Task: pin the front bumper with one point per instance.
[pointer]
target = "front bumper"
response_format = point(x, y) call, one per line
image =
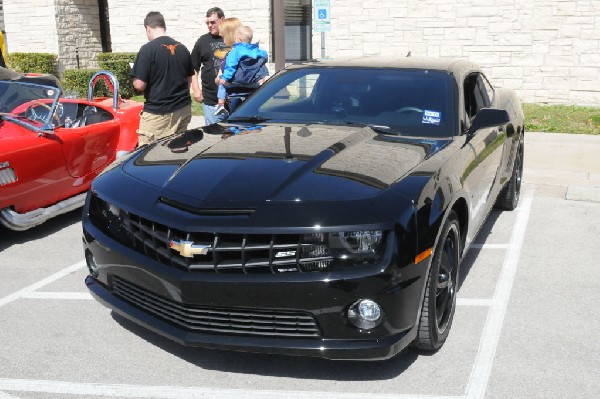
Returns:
point(344, 349)
point(325, 297)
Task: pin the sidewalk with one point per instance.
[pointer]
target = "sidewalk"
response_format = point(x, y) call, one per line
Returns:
point(568, 161)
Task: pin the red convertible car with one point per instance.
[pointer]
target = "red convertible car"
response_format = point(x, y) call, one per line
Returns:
point(51, 147)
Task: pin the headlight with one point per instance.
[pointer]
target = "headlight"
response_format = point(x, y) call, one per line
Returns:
point(347, 247)
point(107, 217)
point(357, 242)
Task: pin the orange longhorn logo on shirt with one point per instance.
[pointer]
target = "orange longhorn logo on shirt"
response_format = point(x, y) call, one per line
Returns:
point(171, 47)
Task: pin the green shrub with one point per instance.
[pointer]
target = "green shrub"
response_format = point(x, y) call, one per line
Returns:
point(33, 63)
point(75, 83)
point(118, 64)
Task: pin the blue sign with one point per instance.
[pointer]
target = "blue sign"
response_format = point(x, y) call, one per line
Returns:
point(321, 15)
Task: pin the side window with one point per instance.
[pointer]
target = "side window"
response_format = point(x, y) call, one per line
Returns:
point(489, 89)
point(470, 93)
point(477, 95)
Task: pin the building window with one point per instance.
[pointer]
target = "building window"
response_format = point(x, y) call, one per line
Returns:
point(298, 39)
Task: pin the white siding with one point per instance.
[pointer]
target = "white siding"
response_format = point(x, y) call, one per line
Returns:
point(185, 20)
point(30, 26)
point(548, 50)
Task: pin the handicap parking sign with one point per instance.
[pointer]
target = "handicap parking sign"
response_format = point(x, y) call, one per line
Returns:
point(321, 15)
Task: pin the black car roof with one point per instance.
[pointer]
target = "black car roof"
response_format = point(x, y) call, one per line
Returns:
point(457, 66)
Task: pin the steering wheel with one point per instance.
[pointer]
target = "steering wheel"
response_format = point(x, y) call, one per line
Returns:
point(409, 109)
point(32, 114)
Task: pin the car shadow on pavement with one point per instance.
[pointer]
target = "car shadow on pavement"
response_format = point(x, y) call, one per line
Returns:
point(277, 365)
point(9, 237)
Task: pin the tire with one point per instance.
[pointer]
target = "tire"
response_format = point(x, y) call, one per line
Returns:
point(508, 199)
point(439, 300)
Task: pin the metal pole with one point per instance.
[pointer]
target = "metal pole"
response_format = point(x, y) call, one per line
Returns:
point(278, 33)
point(322, 45)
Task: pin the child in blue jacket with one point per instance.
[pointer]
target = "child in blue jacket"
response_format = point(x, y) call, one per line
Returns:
point(243, 72)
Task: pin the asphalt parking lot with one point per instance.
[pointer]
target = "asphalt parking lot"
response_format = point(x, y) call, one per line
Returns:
point(526, 325)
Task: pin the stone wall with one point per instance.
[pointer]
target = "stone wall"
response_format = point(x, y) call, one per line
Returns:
point(185, 20)
point(1, 16)
point(78, 27)
point(68, 28)
point(548, 50)
point(30, 26)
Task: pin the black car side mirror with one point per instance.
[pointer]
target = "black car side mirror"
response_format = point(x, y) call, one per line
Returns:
point(488, 117)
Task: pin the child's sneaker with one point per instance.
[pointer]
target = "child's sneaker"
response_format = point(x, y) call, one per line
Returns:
point(220, 109)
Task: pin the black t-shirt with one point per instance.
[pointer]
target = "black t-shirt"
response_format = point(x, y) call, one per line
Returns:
point(207, 54)
point(165, 65)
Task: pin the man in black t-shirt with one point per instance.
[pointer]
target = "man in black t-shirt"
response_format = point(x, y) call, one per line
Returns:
point(163, 71)
point(206, 58)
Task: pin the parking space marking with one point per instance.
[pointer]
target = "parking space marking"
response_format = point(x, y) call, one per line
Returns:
point(174, 392)
point(87, 296)
point(57, 295)
point(476, 386)
point(7, 396)
point(35, 286)
point(482, 367)
point(489, 246)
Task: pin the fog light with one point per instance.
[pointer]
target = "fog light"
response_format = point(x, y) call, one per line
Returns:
point(91, 263)
point(365, 314)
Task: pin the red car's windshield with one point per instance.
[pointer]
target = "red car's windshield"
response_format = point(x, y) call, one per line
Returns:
point(31, 102)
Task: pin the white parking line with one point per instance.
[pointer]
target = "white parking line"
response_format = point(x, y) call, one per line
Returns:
point(475, 389)
point(7, 396)
point(493, 326)
point(57, 295)
point(35, 286)
point(174, 392)
point(489, 246)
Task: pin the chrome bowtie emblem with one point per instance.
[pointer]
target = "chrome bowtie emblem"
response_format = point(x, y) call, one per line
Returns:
point(188, 249)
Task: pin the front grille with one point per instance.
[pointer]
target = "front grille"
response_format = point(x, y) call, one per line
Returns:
point(7, 175)
point(224, 252)
point(238, 321)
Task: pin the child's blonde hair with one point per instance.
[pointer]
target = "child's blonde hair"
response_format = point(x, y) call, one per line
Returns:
point(227, 30)
point(244, 34)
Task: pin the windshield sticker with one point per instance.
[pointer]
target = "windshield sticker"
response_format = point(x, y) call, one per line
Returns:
point(431, 117)
point(50, 93)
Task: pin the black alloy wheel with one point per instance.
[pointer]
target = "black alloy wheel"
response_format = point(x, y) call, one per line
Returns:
point(508, 198)
point(439, 301)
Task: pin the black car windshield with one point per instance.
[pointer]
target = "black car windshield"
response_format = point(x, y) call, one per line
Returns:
point(410, 102)
point(34, 104)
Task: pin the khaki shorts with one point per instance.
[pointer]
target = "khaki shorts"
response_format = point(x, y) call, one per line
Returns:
point(154, 127)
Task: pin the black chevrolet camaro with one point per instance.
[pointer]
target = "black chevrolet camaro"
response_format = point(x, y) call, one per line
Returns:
point(328, 218)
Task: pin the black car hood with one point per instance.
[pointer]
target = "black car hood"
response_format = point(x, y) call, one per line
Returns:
point(280, 163)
